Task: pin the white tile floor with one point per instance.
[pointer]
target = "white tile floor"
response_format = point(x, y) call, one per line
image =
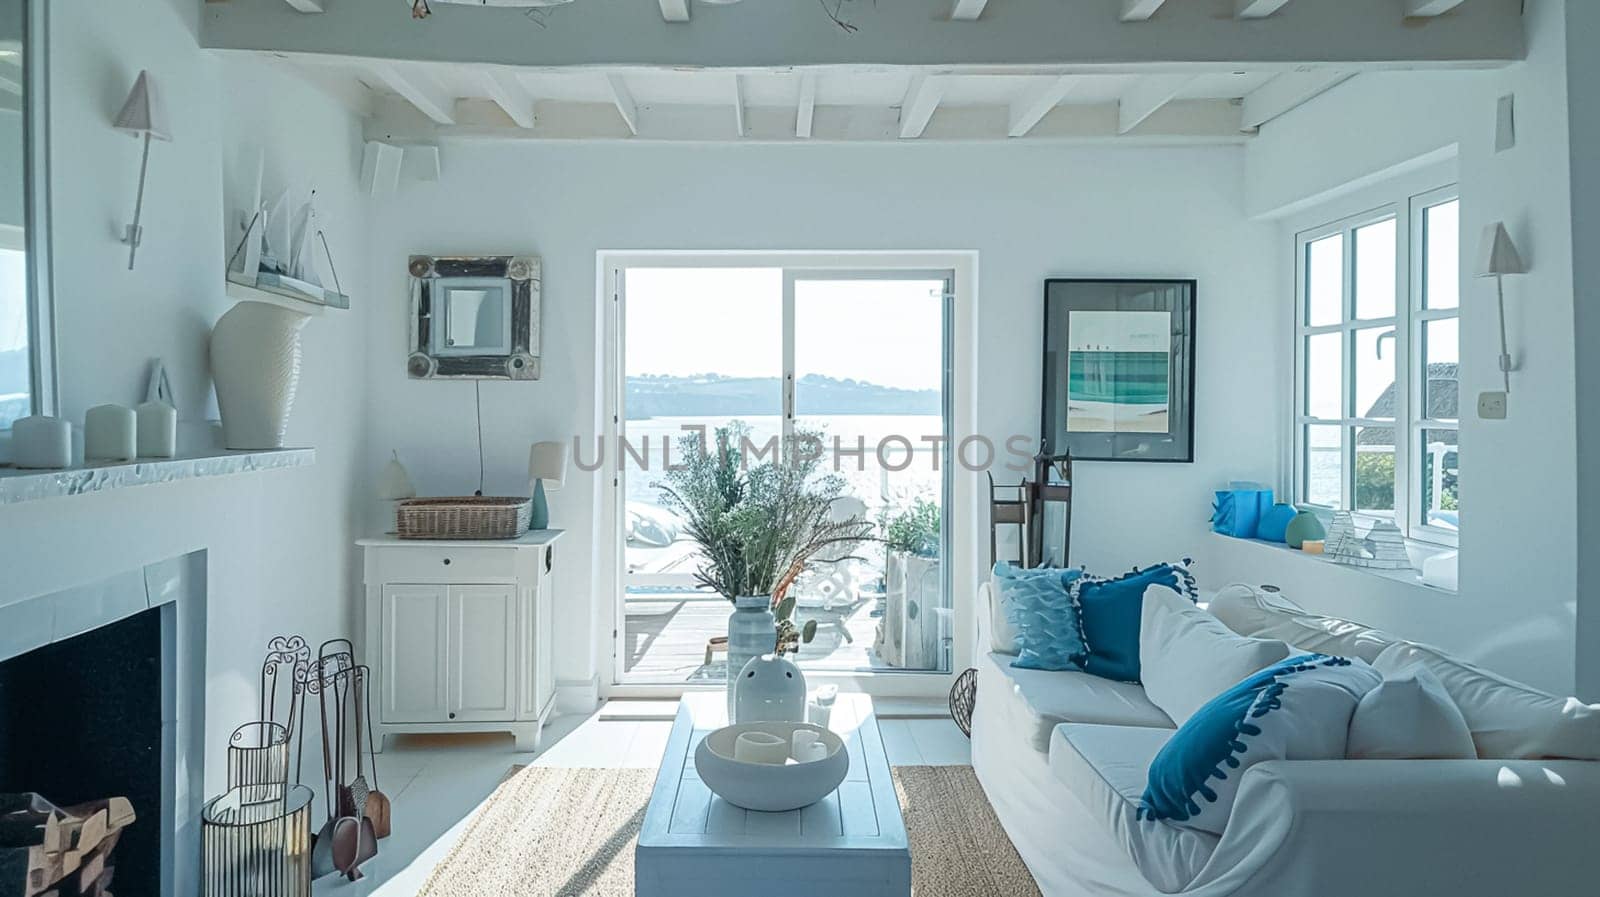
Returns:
point(435, 783)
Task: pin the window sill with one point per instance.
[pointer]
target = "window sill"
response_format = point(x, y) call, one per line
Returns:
point(1408, 577)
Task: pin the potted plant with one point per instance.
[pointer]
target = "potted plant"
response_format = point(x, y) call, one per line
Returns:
point(908, 633)
point(758, 526)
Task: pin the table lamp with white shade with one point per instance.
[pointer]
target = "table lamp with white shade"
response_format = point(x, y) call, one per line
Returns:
point(547, 468)
point(1497, 257)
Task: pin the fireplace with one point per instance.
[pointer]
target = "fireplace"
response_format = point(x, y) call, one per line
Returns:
point(80, 721)
point(101, 697)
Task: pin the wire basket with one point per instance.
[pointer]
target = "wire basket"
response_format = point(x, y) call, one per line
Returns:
point(467, 517)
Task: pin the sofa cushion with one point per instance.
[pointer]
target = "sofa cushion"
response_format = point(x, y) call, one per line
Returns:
point(1105, 767)
point(1298, 709)
point(1261, 614)
point(1187, 657)
point(1044, 615)
point(1110, 610)
point(1040, 700)
point(1409, 716)
point(1508, 720)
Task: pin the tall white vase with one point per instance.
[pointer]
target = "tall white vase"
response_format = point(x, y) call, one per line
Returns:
point(751, 633)
point(255, 361)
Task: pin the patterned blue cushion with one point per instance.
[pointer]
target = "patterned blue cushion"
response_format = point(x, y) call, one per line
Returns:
point(1110, 609)
point(1296, 709)
point(1039, 605)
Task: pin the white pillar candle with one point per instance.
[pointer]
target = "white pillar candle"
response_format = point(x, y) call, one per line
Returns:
point(41, 442)
point(158, 430)
point(109, 434)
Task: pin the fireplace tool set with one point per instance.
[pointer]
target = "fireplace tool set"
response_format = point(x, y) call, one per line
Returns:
point(257, 836)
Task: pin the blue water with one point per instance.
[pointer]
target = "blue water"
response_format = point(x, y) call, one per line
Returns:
point(1123, 378)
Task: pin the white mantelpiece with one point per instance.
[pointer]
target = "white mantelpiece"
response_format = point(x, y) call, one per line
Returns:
point(33, 485)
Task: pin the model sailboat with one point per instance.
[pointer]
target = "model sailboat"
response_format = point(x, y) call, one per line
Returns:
point(283, 249)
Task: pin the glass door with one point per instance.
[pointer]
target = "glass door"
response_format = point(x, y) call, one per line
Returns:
point(868, 380)
point(853, 365)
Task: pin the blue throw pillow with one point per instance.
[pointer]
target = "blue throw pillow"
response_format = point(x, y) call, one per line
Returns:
point(1296, 709)
point(1109, 610)
point(1040, 606)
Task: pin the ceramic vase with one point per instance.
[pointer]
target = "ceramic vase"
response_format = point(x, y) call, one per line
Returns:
point(769, 689)
point(751, 633)
point(255, 361)
point(1304, 527)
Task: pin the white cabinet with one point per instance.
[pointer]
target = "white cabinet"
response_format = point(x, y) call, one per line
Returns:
point(458, 635)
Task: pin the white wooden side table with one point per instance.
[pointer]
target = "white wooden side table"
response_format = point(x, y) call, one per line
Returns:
point(852, 843)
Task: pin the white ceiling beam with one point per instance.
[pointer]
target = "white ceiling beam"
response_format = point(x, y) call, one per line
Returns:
point(968, 10)
point(922, 98)
point(1426, 9)
point(738, 106)
point(1027, 110)
point(418, 88)
point(1139, 10)
point(507, 93)
point(1257, 9)
point(622, 98)
point(806, 108)
point(675, 10)
point(1285, 92)
point(1147, 95)
point(1352, 34)
point(306, 5)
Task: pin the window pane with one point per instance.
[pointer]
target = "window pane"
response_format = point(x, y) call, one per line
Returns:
point(15, 370)
point(1324, 375)
point(1441, 479)
point(1324, 448)
point(1374, 473)
point(1374, 381)
point(1441, 347)
point(1375, 272)
point(1325, 281)
point(1441, 255)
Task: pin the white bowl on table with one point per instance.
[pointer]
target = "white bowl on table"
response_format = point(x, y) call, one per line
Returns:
point(770, 787)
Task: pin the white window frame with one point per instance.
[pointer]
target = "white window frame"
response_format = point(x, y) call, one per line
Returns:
point(1405, 205)
point(963, 512)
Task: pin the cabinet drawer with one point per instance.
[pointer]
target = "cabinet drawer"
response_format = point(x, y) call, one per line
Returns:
point(442, 564)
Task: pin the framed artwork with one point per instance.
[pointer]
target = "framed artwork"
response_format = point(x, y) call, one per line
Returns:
point(1119, 369)
point(474, 317)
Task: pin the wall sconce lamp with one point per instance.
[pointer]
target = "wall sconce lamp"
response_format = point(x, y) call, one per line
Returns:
point(1497, 257)
point(138, 118)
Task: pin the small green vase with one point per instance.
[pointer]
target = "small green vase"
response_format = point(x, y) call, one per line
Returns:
point(1303, 528)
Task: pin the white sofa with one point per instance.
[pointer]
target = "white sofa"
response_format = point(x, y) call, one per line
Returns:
point(1063, 757)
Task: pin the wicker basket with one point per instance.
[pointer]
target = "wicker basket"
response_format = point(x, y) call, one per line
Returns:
point(467, 517)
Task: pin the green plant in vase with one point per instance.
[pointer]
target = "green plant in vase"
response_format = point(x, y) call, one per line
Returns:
point(759, 525)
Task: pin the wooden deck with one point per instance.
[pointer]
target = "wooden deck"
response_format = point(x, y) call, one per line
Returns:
point(666, 640)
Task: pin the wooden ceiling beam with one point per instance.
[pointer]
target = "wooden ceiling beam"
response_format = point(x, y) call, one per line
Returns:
point(508, 93)
point(1146, 97)
point(1027, 110)
point(922, 99)
point(1139, 10)
point(806, 107)
point(675, 10)
point(622, 98)
point(968, 10)
point(417, 88)
point(1257, 9)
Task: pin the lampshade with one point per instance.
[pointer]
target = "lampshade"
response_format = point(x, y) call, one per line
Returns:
point(395, 483)
point(139, 115)
point(547, 461)
point(1497, 254)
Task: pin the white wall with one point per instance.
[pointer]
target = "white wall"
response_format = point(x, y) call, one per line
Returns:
point(1031, 211)
point(279, 543)
point(1519, 552)
point(1583, 80)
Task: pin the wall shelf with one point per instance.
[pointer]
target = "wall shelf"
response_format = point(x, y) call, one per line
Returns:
point(34, 485)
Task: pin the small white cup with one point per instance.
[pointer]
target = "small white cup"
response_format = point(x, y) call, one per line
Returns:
point(800, 743)
point(816, 750)
point(760, 747)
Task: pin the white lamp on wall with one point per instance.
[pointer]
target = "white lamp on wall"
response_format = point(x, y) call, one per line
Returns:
point(547, 467)
point(1497, 257)
point(139, 118)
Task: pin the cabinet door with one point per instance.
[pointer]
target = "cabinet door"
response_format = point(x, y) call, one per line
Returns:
point(415, 622)
point(537, 674)
point(483, 633)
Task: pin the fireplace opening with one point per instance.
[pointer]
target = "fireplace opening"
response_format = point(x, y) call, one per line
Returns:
point(81, 722)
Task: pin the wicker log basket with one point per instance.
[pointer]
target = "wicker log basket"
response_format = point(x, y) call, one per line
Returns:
point(465, 517)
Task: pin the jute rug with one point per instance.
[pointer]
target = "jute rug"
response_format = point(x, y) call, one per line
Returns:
point(549, 832)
